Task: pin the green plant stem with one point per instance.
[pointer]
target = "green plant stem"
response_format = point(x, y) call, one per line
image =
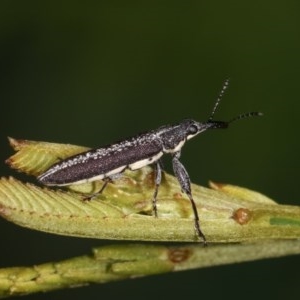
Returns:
point(119, 262)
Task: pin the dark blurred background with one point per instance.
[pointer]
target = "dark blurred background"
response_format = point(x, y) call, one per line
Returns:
point(90, 73)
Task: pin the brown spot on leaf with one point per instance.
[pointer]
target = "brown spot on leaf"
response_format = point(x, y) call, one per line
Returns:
point(16, 144)
point(177, 196)
point(5, 211)
point(127, 181)
point(177, 255)
point(141, 205)
point(242, 216)
point(9, 161)
point(150, 178)
point(216, 185)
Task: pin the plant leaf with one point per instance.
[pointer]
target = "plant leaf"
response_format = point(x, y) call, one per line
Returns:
point(124, 211)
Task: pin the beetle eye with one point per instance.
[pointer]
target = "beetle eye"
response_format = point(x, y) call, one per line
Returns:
point(193, 129)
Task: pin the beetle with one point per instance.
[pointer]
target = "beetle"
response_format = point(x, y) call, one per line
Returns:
point(108, 162)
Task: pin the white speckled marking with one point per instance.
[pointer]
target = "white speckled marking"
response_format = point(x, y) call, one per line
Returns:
point(145, 162)
point(176, 149)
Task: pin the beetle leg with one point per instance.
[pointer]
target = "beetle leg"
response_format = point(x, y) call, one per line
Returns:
point(94, 195)
point(158, 175)
point(185, 183)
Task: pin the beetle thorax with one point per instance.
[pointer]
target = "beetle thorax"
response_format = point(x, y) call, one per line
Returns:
point(173, 137)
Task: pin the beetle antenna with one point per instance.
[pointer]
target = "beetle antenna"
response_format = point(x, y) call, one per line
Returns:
point(247, 115)
point(225, 86)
